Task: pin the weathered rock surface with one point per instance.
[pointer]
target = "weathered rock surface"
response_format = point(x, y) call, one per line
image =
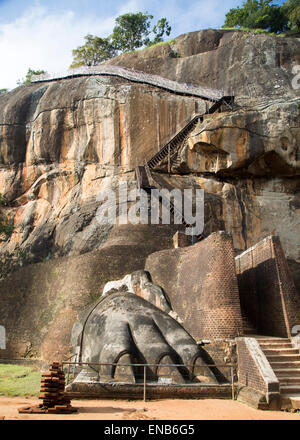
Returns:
point(63, 142)
point(255, 67)
point(260, 142)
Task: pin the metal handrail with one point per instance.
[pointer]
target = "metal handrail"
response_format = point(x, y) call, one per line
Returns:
point(148, 365)
point(230, 383)
point(135, 76)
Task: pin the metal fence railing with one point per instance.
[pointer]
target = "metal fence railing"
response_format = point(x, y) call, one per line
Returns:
point(135, 76)
point(151, 375)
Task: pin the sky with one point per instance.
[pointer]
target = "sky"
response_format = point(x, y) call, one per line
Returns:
point(40, 34)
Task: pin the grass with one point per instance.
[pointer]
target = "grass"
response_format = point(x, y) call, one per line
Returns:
point(253, 31)
point(17, 380)
point(290, 33)
point(161, 43)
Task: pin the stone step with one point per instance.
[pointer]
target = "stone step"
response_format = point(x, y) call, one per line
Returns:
point(290, 389)
point(289, 380)
point(280, 351)
point(272, 340)
point(284, 365)
point(276, 345)
point(287, 372)
point(290, 401)
point(283, 358)
point(249, 327)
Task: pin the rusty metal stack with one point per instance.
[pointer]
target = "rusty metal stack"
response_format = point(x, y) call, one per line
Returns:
point(52, 393)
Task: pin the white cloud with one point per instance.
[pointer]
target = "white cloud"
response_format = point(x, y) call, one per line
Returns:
point(44, 41)
point(195, 15)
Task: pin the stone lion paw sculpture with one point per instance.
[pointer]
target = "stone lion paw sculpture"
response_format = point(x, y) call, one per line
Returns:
point(125, 329)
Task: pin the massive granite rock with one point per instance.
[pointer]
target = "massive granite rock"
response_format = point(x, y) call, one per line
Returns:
point(255, 67)
point(63, 142)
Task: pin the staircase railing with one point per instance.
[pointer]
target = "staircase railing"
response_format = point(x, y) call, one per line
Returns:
point(174, 143)
point(144, 177)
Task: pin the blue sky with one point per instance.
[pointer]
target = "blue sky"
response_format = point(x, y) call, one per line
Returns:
point(42, 33)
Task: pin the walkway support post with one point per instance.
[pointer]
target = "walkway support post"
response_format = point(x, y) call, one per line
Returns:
point(232, 382)
point(144, 383)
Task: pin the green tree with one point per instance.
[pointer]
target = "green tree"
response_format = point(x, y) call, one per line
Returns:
point(3, 91)
point(292, 10)
point(29, 76)
point(6, 228)
point(236, 16)
point(94, 51)
point(131, 31)
point(162, 27)
point(258, 14)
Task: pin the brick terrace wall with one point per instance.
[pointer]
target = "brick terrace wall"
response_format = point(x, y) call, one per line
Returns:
point(201, 284)
point(254, 370)
point(268, 295)
point(248, 371)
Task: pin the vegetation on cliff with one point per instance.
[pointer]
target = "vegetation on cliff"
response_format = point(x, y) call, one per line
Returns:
point(6, 228)
point(29, 75)
point(264, 15)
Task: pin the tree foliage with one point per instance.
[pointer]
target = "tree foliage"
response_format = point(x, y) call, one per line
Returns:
point(292, 11)
point(3, 91)
point(29, 75)
point(162, 27)
point(6, 228)
point(131, 31)
point(94, 51)
point(258, 14)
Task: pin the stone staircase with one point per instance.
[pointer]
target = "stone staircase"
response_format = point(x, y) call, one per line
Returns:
point(285, 361)
point(248, 327)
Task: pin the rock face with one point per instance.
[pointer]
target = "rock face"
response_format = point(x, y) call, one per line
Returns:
point(62, 143)
point(255, 67)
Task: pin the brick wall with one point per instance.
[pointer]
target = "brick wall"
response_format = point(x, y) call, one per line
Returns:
point(248, 371)
point(268, 295)
point(254, 370)
point(201, 283)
